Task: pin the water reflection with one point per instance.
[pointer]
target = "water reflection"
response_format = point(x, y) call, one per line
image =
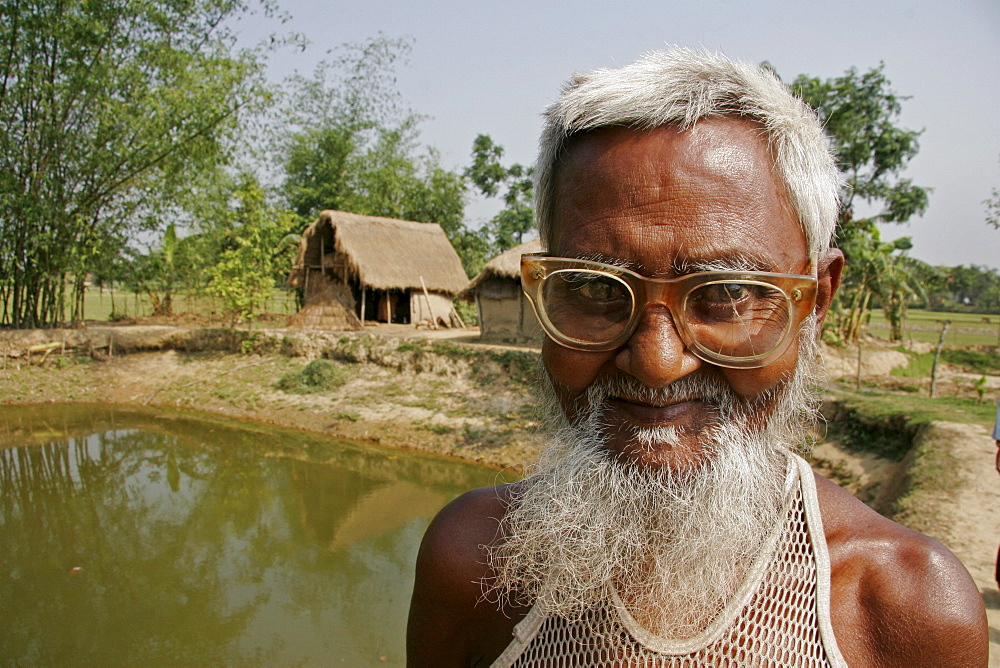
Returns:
point(138, 537)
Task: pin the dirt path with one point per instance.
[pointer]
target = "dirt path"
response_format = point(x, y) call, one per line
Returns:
point(969, 516)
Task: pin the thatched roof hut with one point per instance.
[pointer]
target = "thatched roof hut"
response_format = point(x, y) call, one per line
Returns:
point(504, 312)
point(378, 268)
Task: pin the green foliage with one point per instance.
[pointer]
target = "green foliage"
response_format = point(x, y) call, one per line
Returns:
point(317, 376)
point(993, 209)
point(973, 361)
point(961, 288)
point(350, 145)
point(913, 410)
point(467, 311)
point(878, 273)
point(251, 252)
point(992, 205)
point(980, 388)
point(107, 108)
point(507, 228)
point(860, 112)
point(970, 361)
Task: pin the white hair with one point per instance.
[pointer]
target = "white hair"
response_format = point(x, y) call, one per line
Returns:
point(678, 87)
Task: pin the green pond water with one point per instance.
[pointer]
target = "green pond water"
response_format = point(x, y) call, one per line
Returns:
point(141, 537)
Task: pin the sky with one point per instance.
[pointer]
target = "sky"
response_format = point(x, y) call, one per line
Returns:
point(491, 67)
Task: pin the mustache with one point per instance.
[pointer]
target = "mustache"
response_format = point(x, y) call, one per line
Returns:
point(700, 386)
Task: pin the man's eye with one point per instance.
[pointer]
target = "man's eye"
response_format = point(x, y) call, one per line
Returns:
point(725, 293)
point(598, 288)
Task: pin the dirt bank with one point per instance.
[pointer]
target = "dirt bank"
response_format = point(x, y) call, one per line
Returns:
point(424, 393)
point(444, 394)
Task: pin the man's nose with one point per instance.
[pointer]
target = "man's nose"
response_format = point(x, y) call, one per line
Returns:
point(655, 353)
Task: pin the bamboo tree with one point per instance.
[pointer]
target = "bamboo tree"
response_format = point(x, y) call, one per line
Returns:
point(106, 108)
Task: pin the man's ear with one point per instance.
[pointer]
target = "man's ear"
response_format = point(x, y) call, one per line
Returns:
point(831, 265)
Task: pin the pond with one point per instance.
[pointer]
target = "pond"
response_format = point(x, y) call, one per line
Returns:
point(141, 537)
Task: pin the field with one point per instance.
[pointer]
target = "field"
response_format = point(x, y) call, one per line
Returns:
point(101, 305)
point(966, 329)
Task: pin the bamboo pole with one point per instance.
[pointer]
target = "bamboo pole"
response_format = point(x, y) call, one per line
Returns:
point(430, 309)
point(857, 383)
point(937, 354)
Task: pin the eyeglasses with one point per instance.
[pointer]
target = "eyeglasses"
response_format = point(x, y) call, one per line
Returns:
point(736, 319)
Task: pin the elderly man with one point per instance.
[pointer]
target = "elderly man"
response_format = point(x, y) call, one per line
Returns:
point(687, 205)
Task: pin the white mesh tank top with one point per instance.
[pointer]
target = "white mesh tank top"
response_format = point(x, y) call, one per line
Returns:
point(779, 617)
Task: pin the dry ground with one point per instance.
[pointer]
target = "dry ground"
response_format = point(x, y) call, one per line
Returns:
point(441, 408)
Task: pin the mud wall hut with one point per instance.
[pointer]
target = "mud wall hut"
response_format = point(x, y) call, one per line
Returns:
point(505, 314)
point(366, 268)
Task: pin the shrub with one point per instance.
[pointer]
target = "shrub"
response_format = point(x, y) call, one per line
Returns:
point(317, 376)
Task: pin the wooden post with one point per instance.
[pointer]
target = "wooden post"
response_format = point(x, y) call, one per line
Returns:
point(363, 305)
point(430, 309)
point(857, 382)
point(937, 354)
point(461, 322)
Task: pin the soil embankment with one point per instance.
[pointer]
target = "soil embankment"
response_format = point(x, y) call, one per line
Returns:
point(429, 392)
point(471, 402)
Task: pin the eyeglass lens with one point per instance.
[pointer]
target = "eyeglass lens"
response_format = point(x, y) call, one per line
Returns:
point(735, 319)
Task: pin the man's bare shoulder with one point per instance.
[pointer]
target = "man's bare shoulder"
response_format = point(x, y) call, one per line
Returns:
point(450, 623)
point(455, 538)
point(898, 597)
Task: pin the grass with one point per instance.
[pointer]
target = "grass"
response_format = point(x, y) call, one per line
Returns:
point(971, 361)
point(431, 403)
point(454, 351)
point(887, 423)
point(966, 329)
point(933, 470)
point(919, 409)
point(317, 376)
point(439, 429)
point(106, 305)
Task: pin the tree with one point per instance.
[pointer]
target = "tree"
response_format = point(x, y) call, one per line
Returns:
point(351, 144)
point(993, 209)
point(106, 108)
point(972, 288)
point(882, 274)
point(860, 113)
point(252, 255)
point(508, 227)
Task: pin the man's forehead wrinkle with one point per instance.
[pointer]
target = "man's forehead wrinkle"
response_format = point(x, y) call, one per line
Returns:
point(681, 264)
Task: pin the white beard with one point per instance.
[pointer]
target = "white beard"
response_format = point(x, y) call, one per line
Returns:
point(674, 543)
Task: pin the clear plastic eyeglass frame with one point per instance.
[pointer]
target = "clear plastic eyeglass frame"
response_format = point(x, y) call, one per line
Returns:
point(792, 298)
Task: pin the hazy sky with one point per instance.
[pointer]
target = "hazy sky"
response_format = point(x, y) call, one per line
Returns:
point(491, 67)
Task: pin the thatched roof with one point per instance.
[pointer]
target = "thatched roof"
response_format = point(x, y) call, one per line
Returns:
point(383, 253)
point(505, 265)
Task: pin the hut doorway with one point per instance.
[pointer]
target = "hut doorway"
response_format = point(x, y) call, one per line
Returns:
point(383, 305)
point(394, 306)
point(401, 307)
